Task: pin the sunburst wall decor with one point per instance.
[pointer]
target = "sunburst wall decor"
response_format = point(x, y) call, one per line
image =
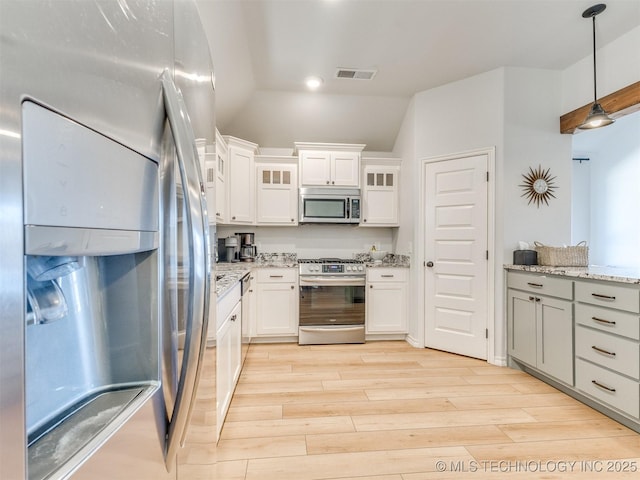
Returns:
point(538, 186)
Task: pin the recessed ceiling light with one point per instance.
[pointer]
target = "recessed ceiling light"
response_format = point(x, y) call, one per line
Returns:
point(313, 83)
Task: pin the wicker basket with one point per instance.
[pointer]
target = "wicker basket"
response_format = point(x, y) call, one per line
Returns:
point(573, 256)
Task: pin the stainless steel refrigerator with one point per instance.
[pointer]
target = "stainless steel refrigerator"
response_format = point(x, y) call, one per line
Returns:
point(102, 224)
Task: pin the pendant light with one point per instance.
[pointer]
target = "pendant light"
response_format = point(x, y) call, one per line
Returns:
point(597, 117)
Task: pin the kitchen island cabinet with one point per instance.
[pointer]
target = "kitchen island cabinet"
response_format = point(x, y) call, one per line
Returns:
point(541, 326)
point(606, 345)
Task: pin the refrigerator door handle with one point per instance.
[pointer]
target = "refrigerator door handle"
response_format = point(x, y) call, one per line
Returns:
point(199, 277)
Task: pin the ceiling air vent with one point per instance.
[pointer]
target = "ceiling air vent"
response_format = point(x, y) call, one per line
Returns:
point(355, 73)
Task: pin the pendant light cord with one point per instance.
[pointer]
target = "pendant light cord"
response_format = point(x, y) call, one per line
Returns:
point(595, 94)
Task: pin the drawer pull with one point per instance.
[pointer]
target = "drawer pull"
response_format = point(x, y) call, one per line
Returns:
point(276, 276)
point(602, 320)
point(537, 285)
point(387, 276)
point(608, 389)
point(603, 297)
point(600, 350)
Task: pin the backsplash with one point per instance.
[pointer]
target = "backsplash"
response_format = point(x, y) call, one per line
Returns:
point(389, 260)
point(314, 241)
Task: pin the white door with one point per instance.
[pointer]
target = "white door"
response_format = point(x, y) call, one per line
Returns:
point(456, 265)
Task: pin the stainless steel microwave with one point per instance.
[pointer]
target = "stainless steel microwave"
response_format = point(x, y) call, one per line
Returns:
point(329, 205)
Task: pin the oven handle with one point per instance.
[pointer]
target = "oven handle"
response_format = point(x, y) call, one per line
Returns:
point(353, 281)
point(332, 328)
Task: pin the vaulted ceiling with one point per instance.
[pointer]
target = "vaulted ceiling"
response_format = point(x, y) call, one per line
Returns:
point(264, 49)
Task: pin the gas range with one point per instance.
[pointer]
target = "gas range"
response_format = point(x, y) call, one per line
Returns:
point(332, 296)
point(331, 266)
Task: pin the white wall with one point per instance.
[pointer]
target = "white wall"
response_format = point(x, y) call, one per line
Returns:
point(618, 66)
point(581, 200)
point(405, 149)
point(455, 118)
point(611, 215)
point(614, 231)
point(532, 139)
point(516, 111)
point(314, 241)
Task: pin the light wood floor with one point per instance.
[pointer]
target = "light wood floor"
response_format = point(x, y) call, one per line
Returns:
point(388, 411)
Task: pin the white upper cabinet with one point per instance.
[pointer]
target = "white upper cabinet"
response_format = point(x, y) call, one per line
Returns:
point(323, 164)
point(277, 190)
point(380, 194)
point(221, 167)
point(241, 182)
point(211, 187)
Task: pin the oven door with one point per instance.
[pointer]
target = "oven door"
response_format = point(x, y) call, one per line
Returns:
point(332, 300)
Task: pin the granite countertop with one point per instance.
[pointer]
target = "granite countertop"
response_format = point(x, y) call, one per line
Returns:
point(228, 274)
point(595, 272)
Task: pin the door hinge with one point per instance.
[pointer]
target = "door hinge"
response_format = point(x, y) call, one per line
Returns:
point(486, 333)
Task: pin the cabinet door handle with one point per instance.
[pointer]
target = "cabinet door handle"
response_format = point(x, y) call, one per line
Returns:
point(538, 299)
point(605, 352)
point(233, 318)
point(327, 182)
point(370, 286)
point(536, 285)
point(292, 287)
point(602, 320)
point(531, 299)
point(608, 389)
point(233, 218)
point(603, 297)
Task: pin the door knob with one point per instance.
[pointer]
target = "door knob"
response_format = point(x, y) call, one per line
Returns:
point(429, 264)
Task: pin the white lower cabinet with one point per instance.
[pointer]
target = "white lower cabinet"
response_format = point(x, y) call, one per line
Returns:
point(386, 300)
point(228, 351)
point(276, 302)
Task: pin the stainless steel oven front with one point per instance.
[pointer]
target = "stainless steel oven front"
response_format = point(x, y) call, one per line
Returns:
point(332, 303)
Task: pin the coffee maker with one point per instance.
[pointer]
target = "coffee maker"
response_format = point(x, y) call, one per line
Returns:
point(232, 248)
point(248, 250)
